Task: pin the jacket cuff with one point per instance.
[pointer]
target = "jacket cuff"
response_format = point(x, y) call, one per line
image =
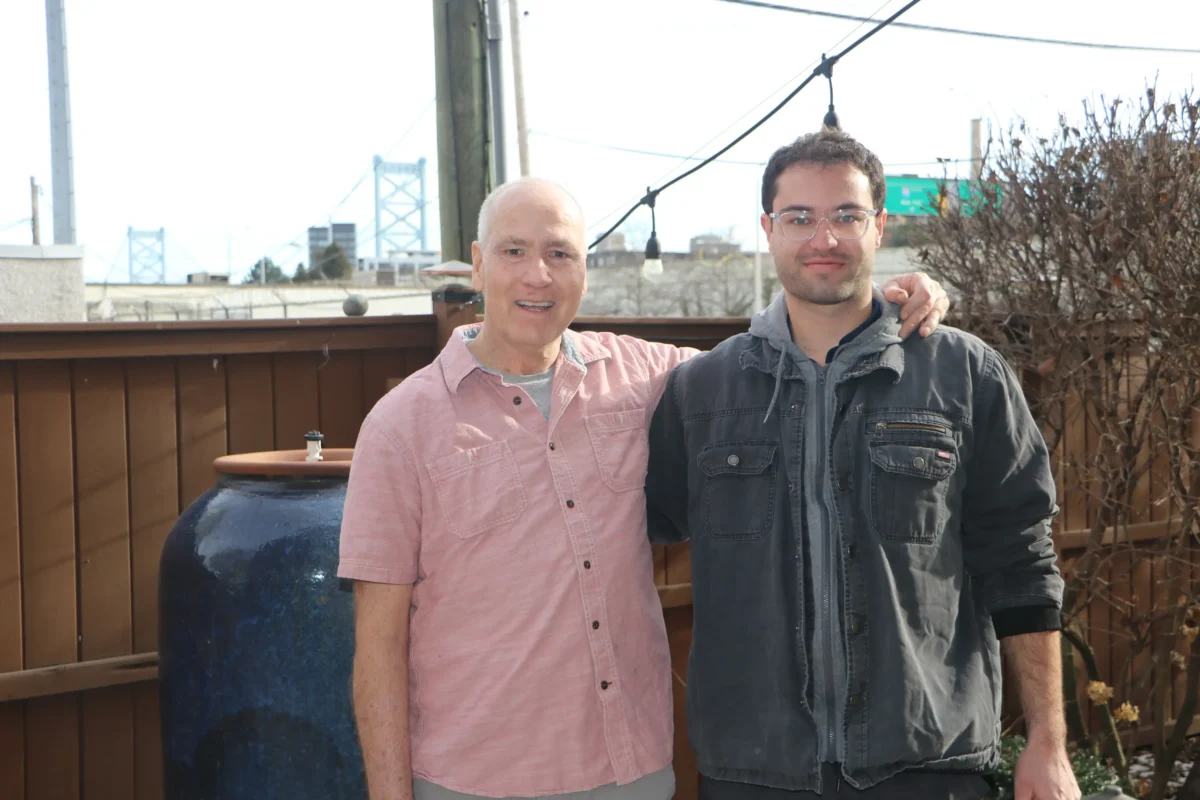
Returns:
point(1026, 619)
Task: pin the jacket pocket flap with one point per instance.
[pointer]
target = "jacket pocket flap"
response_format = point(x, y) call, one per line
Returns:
point(745, 458)
point(919, 462)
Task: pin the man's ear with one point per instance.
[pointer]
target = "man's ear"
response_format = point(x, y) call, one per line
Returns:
point(880, 221)
point(476, 267)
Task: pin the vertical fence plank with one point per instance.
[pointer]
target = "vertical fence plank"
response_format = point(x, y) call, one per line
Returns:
point(105, 591)
point(340, 388)
point(202, 424)
point(52, 748)
point(47, 503)
point(679, 638)
point(153, 509)
point(297, 410)
point(12, 715)
point(679, 563)
point(379, 367)
point(251, 404)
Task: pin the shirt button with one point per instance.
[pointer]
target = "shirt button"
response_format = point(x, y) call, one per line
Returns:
point(516, 401)
point(587, 565)
point(552, 445)
point(733, 461)
point(919, 462)
point(604, 684)
point(851, 551)
point(853, 700)
point(570, 504)
point(855, 628)
point(595, 624)
point(843, 484)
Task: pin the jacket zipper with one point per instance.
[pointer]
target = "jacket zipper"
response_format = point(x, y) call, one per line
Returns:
point(833, 712)
point(880, 427)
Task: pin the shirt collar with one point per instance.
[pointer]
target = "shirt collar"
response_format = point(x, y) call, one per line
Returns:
point(458, 362)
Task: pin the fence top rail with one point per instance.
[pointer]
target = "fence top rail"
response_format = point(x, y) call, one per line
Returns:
point(212, 337)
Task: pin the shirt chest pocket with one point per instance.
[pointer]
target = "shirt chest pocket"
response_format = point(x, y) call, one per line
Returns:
point(478, 489)
point(912, 461)
point(739, 489)
point(621, 447)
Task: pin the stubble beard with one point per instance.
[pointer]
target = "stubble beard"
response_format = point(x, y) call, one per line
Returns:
point(823, 293)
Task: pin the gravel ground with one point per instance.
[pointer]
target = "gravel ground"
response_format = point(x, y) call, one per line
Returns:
point(1141, 771)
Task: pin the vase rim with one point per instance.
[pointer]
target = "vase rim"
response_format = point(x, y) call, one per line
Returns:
point(287, 463)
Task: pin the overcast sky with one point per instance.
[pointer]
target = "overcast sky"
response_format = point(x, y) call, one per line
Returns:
point(236, 124)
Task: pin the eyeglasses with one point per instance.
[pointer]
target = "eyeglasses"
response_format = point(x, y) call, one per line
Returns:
point(800, 226)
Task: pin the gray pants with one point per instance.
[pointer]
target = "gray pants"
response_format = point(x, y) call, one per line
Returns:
point(905, 786)
point(655, 786)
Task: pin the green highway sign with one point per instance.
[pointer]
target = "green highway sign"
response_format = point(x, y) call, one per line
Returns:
point(911, 196)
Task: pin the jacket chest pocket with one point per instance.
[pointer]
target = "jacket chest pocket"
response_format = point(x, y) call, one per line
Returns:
point(739, 489)
point(478, 489)
point(911, 464)
point(621, 446)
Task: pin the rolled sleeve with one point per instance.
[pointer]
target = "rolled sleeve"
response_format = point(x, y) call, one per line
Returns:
point(667, 472)
point(381, 520)
point(1010, 500)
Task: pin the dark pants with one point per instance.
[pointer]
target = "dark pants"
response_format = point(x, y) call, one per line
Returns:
point(905, 786)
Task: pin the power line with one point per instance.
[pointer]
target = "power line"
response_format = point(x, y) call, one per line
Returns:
point(982, 34)
point(735, 162)
point(601, 220)
point(825, 68)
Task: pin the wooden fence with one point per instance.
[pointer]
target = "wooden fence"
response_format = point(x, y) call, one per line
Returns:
point(108, 431)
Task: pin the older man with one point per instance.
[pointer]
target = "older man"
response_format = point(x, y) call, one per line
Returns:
point(510, 641)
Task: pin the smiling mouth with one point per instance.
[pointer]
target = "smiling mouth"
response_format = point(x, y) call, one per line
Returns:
point(536, 308)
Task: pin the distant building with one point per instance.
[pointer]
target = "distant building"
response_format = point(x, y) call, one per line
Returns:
point(343, 234)
point(398, 268)
point(203, 278)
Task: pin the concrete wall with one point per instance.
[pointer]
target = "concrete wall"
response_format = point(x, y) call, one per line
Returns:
point(41, 284)
point(143, 302)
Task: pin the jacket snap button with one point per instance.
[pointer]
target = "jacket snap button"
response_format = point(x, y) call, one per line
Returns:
point(919, 462)
point(733, 461)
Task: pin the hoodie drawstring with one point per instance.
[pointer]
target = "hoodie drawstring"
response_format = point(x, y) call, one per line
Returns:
point(778, 383)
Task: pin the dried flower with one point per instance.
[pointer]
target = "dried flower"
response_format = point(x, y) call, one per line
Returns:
point(1126, 713)
point(1178, 660)
point(1099, 692)
point(1189, 632)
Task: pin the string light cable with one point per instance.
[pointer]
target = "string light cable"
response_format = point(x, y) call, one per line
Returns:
point(824, 69)
point(1008, 37)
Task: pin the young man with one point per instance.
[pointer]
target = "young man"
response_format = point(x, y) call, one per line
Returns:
point(869, 521)
point(510, 641)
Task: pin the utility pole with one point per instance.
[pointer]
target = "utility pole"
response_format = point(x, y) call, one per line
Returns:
point(33, 217)
point(976, 150)
point(62, 168)
point(496, 73)
point(514, 20)
point(464, 174)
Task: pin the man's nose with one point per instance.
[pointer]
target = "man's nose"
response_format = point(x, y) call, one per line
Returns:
point(538, 273)
point(823, 238)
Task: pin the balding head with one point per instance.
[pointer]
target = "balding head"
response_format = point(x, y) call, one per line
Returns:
point(523, 190)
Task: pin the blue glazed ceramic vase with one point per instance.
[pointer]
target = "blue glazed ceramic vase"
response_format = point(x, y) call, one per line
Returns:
point(256, 637)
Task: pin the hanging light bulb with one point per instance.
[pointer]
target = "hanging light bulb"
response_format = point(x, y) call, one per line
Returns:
point(831, 118)
point(652, 267)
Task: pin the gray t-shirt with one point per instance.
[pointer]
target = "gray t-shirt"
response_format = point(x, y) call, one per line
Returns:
point(536, 386)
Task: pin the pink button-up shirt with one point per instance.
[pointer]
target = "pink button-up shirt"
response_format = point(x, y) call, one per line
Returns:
point(538, 654)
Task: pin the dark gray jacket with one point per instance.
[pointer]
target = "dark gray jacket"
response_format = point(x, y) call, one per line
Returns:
point(852, 529)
